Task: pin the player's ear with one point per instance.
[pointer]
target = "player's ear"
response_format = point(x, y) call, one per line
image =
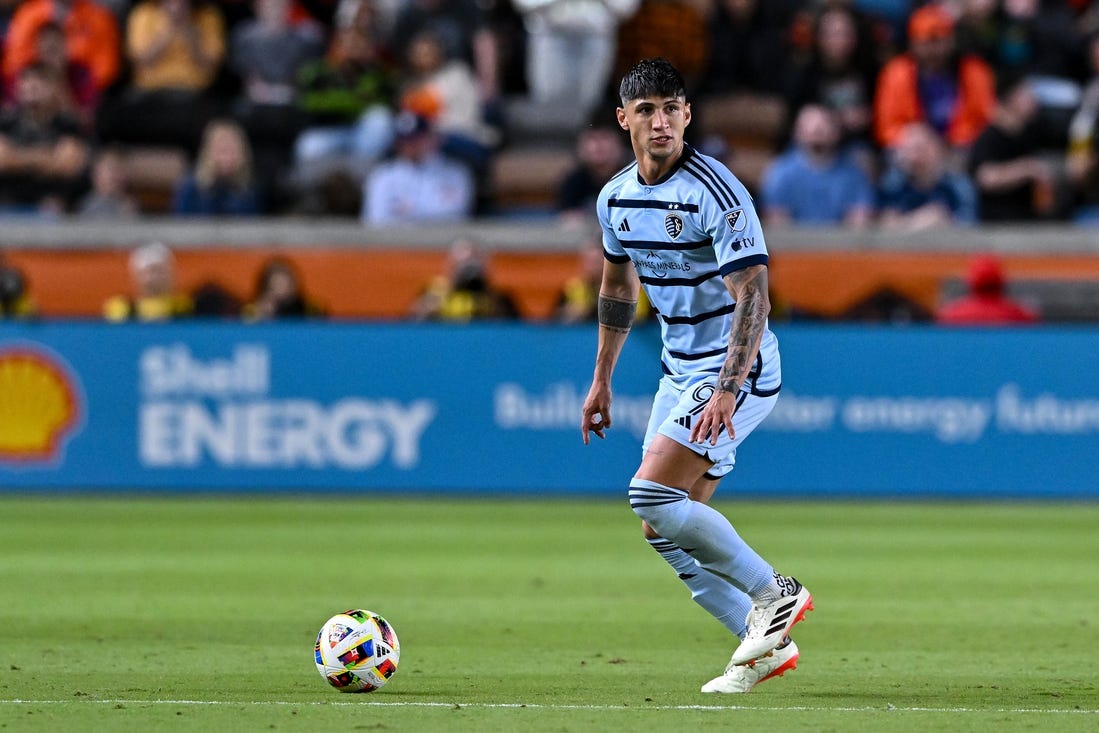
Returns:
point(686, 114)
point(622, 121)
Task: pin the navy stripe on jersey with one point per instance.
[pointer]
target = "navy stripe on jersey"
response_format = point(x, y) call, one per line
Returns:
point(756, 370)
point(701, 167)
point(695, 357)
point(742, 263)
point(715, 184)
point(646, 204)
point(616, 259)
point(668, 370)
point(650, 244)
point(689, 281)
point(622, 170)
point(692, 303)
point(699, 318)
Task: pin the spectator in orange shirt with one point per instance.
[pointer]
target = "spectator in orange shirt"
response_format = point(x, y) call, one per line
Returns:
point(91, 37)
point(987, 303)
point(954, 93)
point(76, 85)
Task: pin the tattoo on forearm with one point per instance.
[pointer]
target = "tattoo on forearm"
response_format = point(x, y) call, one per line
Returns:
point(615, 313)
point(749, 320)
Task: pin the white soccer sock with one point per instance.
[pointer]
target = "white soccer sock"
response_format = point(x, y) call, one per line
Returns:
point(721, 600)
point(714, 543)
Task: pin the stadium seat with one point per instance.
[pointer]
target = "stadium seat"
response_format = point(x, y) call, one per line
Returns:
point(524, 179)
point(153, 173)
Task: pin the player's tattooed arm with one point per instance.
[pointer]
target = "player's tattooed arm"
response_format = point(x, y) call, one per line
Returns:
point(616, 313)
point(749, 288)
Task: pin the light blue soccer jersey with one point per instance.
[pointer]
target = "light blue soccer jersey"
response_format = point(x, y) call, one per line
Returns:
point(683, 234)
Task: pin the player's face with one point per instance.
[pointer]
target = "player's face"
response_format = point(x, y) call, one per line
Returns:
point(656, 126)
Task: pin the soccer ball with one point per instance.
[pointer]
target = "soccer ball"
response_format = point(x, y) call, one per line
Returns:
point(357, 651)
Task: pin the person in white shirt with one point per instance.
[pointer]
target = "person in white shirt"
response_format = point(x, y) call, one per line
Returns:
point(571, 48)
point(418, 184)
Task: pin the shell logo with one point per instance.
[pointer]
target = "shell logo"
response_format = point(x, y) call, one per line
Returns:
point(38, 405)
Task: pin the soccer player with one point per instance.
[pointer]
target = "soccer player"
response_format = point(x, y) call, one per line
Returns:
point(679, 224)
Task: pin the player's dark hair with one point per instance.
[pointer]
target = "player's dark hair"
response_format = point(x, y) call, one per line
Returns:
point(655, 77)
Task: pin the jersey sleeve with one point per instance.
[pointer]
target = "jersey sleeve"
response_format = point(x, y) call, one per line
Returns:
point(612, 248)
point(730, 218)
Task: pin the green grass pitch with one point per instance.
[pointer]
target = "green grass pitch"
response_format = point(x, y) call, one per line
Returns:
point(200, 614)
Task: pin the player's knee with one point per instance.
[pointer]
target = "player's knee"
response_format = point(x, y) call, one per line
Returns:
point(662, 509)
point(648, 531)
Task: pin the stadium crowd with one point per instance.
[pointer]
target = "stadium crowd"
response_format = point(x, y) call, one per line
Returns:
point(847, 112)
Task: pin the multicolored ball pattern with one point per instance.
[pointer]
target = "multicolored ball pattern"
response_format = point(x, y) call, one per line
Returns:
point(357, 651)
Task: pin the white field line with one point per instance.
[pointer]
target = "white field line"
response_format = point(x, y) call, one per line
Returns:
point(544, 706)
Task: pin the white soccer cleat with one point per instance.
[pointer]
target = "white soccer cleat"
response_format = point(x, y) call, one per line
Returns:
point(768, 625)
point(743, 677)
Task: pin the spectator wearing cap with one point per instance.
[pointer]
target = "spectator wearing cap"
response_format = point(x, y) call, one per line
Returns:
point(986, 303)
point(933, 83)
point(419, 184)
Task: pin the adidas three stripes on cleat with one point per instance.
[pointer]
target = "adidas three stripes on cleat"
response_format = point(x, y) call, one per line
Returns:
point(769, 624)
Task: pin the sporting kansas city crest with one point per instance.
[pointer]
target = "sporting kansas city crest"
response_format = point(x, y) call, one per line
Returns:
point(673, 225)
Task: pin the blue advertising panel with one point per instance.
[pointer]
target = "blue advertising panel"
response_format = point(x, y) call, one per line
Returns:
point(864, 411)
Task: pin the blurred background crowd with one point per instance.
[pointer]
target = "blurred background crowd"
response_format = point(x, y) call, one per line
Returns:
point(850, 114)
point(846, 112)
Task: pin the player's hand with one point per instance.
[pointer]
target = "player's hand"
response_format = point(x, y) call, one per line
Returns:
point(596, 413)
point(717, 414)
point(594, 425)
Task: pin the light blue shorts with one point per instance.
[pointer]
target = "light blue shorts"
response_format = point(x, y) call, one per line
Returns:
point(675, 408)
